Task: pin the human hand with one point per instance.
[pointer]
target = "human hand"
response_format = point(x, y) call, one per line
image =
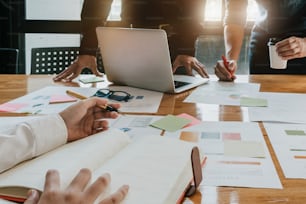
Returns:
point(76, 192)
point(224, 74)
point(82, 118)
point(75, 69)
point(291, 48)
point(189, 63)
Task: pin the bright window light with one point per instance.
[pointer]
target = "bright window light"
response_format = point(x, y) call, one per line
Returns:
point(213, 10)
point(252, 10)
point(115, 11)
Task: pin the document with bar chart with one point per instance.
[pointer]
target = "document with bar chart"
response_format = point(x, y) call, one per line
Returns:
point(237, 154)
point(289, 144)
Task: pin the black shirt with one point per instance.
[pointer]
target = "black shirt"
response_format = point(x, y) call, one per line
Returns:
point(182, 20)
point(277, 18)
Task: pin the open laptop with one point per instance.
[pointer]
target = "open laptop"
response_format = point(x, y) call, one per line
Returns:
point(140, 58)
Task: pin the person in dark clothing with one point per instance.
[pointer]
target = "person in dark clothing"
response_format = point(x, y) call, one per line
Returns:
point(181, 19)
point(283, 19)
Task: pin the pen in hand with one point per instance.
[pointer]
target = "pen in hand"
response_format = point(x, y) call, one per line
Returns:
point(79, 96)
point(226, 65)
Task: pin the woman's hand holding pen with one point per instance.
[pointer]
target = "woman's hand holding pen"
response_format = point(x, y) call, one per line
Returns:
point(84, 118)
point(225, 69)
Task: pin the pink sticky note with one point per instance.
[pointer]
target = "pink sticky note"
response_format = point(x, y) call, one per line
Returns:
point(11, 107)
point(61, 99)
point(194, 121)
point(231, 136)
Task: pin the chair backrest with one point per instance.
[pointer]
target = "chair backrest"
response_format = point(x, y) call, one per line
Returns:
point(9, 60)
point(53, 60)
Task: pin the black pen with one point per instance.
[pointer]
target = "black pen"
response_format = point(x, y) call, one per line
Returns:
point(79, 96)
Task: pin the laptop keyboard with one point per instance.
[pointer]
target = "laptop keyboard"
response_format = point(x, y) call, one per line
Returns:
point(178, 84)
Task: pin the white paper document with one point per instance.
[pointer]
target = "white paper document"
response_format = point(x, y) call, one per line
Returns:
point(237, 155)
point(289, 144)
point(282, 107)
point(223, 93)
point(38, 102)
point(136, 125)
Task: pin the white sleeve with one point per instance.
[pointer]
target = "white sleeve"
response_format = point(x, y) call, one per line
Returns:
point(30, 139)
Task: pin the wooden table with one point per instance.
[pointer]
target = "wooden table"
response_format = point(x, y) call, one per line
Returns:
point(13, 86)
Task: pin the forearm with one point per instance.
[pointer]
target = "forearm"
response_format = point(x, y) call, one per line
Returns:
point(233, 39)
point(31, 139)
point(94, 14)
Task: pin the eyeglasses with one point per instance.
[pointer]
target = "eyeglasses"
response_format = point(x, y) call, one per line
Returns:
point(113, 95)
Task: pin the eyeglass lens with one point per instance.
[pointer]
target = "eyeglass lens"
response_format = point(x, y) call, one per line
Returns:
point(113, 95)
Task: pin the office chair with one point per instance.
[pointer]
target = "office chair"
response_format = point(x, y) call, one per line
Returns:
point(53, 60)
point(9, 60)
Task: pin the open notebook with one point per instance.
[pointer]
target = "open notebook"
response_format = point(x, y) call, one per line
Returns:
point(157, 169)
point(141, 58)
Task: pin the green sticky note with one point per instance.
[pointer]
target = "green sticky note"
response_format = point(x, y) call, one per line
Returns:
point(253, 102)
point(244, 149)
point(171, 123)
point(295, 132)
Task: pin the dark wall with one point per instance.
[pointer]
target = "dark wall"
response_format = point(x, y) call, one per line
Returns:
point(4, 23)
point(11, 21)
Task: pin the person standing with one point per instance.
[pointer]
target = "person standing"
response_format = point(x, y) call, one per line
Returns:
point(282, 19)
point(182, 20)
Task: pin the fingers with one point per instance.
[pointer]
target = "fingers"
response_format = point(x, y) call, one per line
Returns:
point(100, 125)
point(98, 104)
point(101, 113)
point(291, 48)
point(66, 74)
point(101, 103)
point(94, 102)
point(117, 197)
point(97, 188)
point(73, 75)
point(190, 63)
point(76, 68)
point(33, 197)
point(77, 191)
point(224, 74)
point(52, 180)
point(96, 72)
point(200, 68)
point(81, 118)
point(80, 181)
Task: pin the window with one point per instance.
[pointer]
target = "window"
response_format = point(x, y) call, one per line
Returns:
point(71, 9)
point(115, 11)
point(213, 10)
point(53, 10)
point(63, 10)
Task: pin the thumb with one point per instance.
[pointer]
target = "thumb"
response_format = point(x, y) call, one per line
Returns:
point(32, 198)
point(97, 73)
point(233, 65)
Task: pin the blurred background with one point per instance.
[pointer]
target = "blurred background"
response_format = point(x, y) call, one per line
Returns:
point(26, 24)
